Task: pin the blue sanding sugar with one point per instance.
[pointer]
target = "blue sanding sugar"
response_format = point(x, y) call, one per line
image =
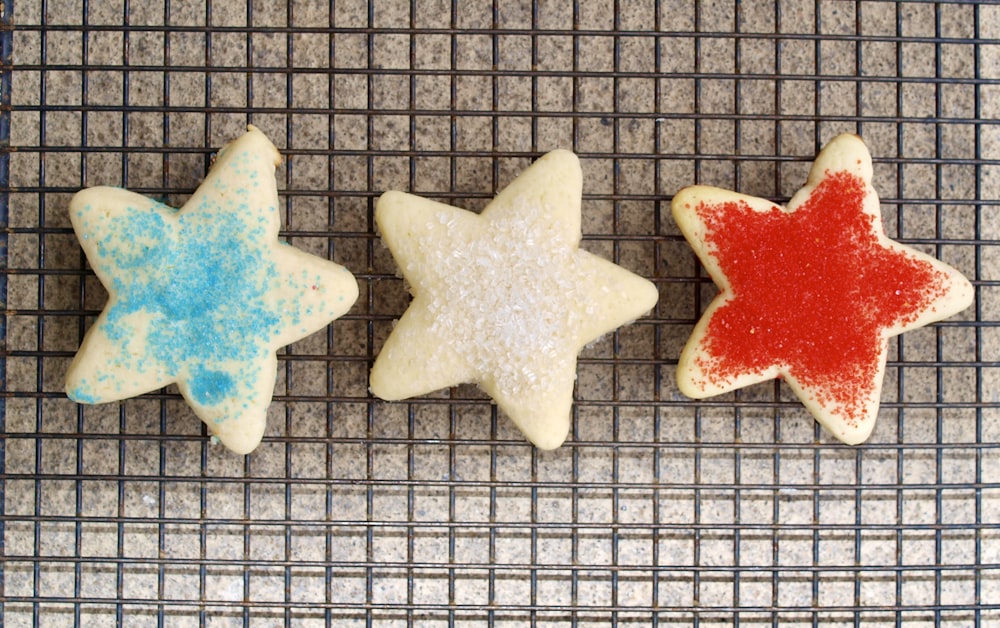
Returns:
point(204, 281)
point(209, 387)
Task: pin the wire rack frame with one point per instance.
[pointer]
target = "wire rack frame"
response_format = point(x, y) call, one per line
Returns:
point(658, 509)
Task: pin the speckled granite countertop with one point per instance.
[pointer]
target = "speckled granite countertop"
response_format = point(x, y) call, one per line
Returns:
point(436, 511)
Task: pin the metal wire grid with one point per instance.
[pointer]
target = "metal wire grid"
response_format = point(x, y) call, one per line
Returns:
point(658, 509)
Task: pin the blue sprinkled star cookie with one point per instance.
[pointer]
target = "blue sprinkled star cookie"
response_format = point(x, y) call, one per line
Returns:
point(201, 296)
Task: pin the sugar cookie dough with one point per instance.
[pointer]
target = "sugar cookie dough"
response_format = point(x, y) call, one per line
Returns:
point(505, 299)
point(810, 293)
point(202, 296)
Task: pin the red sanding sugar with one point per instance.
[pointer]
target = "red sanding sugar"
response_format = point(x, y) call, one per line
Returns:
point(813, 290)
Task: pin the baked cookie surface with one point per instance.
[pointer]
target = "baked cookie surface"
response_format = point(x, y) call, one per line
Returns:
point(201, 296)
point(505, 299)
point(810, 293)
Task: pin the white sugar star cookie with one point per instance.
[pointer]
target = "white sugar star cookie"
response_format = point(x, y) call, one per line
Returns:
point(505, 299)
point(202, 296)
point(810, 293)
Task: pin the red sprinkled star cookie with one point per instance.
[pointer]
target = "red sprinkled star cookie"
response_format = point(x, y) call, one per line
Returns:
point(810, 293)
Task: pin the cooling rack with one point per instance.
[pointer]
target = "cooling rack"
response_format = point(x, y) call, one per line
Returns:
point(659, 509)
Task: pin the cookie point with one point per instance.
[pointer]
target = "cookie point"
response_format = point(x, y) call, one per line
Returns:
point(682, 199)
point(559, 165)
point(845, 152)
point(650, 296)
point(76, 394)
point(389, 203)
point(549, 442)
point(857, 434)
point(686, 384)
point(561, 154)
point(390, 197)
point(239, 446)
point(254, 135)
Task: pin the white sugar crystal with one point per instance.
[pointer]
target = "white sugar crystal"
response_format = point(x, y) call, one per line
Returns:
point(515, 329)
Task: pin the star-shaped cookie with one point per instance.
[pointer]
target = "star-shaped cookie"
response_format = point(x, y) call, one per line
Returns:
point(810, 293)
point(505, 299)
point(202, 296)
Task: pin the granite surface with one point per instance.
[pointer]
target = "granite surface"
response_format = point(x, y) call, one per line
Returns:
point(437, 511)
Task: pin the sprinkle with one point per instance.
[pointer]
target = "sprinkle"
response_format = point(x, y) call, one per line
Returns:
point(818, 287)
point(505, 299)
point(202, 296)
